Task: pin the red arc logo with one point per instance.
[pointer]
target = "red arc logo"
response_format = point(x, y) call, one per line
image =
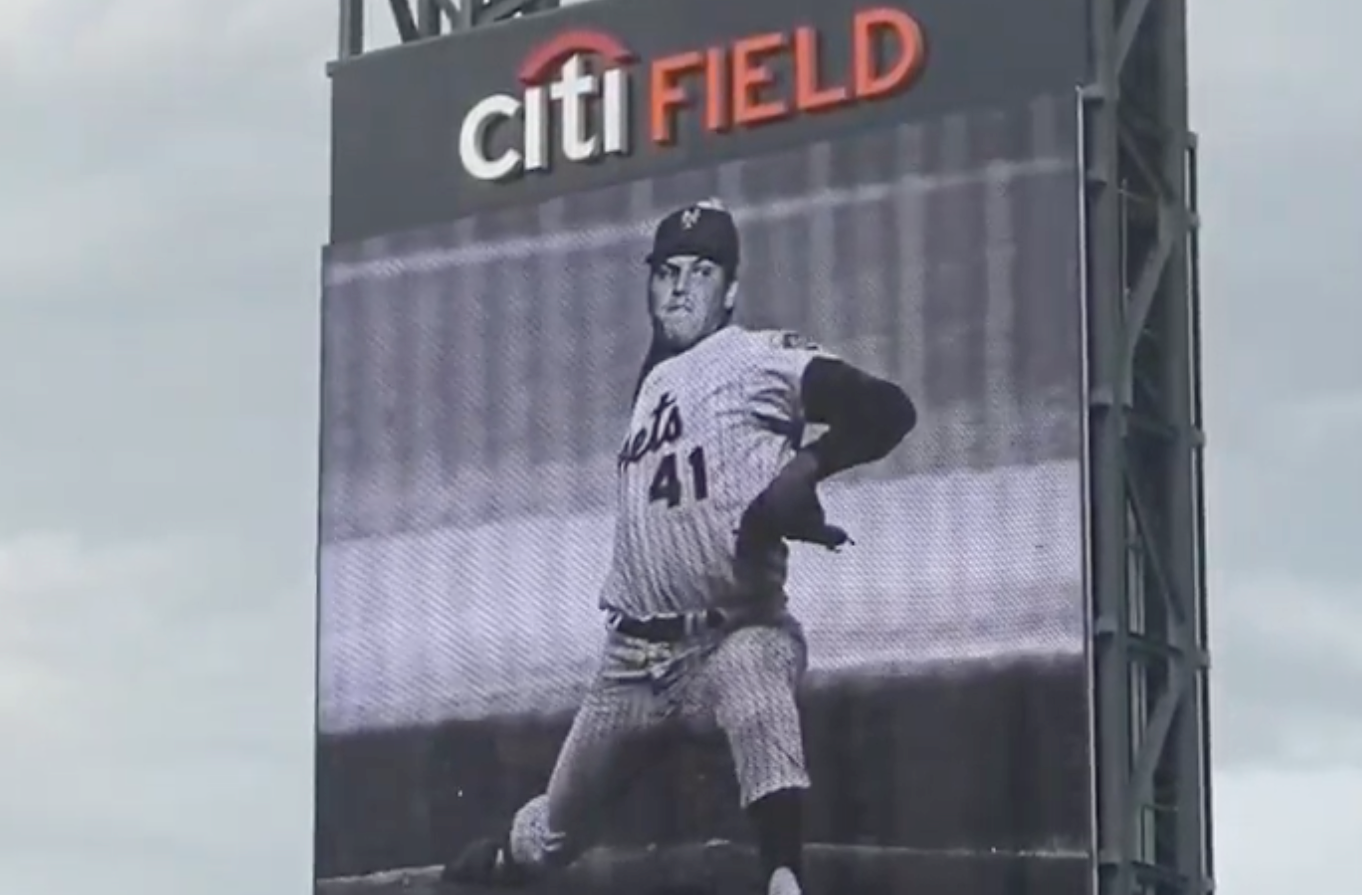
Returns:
point(545, 60)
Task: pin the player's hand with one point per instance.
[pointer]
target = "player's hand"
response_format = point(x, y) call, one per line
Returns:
point(789, 509)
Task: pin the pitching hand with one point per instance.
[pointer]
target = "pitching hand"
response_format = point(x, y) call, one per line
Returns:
point(789, 509)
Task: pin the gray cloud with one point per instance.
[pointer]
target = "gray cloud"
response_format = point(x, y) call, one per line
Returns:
point(1284, 831)
point(1283, 378)
point(159, 247)
point(162, 731)
point(158, 289)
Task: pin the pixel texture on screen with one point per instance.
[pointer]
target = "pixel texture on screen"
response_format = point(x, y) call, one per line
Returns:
point(477, 387)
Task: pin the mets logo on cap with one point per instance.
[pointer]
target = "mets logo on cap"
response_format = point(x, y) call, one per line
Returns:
point(706, 229)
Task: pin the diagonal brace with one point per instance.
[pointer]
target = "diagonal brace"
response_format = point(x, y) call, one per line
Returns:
point(1172, 228)
point(405, 21)
point(1172, 598)
point(1160, 186)
point(1156, 736)
point(446, 9)
point(497, 10)
point(1128, 29)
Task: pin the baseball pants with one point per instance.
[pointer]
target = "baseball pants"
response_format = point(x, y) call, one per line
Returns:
point(743, 682)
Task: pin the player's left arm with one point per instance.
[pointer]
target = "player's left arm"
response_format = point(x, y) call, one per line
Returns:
point(866, 416)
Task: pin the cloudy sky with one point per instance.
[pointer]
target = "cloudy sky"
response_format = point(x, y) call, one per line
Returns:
point(162, 201)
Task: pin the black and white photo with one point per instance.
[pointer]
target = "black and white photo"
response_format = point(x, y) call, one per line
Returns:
point(650, 508)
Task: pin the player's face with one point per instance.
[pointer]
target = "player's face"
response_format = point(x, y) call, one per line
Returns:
point(686, 297)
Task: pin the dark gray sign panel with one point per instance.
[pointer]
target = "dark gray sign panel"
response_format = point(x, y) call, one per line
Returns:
point(662, 86)
point(904, 179)
point(477, 378)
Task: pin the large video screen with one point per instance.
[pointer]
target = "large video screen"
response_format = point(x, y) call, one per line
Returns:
point(496, 438)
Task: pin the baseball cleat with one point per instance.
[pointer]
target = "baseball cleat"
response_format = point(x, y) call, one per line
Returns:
point(783, 882)
point(485, 862)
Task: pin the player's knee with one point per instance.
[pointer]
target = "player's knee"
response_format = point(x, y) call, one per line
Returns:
point(767, 705)
point(534, 844)
point(759, 714)
point(768, 756)
point(762, 656)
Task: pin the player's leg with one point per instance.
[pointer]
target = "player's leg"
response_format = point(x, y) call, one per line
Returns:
point(752, 678)
point(613, 736)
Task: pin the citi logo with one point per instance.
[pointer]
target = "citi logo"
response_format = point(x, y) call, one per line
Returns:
point(578, 87)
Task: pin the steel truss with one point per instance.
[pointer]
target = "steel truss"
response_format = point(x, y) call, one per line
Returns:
point(1145, 478)
point(1145, 437)
point(420, 19)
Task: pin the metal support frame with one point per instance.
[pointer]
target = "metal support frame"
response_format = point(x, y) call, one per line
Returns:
point(1145, 438)
point(1145, 476)
point(416, 20)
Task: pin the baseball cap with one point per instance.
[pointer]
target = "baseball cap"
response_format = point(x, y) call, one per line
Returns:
point(706, 229)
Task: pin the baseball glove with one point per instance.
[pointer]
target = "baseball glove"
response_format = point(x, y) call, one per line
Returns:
point(788, 510)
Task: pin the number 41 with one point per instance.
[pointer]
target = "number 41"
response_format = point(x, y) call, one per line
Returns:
point(666, 484)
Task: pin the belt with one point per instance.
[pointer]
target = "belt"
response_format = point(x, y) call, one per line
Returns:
point(667, 628)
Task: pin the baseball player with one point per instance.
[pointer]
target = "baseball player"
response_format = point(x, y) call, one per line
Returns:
point(713, 481)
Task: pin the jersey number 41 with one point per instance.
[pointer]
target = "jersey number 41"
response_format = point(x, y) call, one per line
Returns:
point(667, 483)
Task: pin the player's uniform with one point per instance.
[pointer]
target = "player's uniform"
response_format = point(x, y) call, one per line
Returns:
point(710, 429)
point(713, 481)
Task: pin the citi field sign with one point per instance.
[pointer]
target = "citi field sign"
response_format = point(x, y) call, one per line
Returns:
point(579, 85)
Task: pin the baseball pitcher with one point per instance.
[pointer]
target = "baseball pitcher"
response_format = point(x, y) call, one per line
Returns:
point(714, 480)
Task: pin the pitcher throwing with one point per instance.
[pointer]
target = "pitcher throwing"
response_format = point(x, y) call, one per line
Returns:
point(714, 480)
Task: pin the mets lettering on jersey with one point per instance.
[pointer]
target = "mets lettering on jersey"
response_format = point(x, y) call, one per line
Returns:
point(710, 429)
point(664, 429)
point(586, 75)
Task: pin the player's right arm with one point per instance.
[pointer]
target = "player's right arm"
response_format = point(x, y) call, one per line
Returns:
point(866, 416)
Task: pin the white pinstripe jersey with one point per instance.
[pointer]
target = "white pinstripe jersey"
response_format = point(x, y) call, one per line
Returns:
point(709, 430)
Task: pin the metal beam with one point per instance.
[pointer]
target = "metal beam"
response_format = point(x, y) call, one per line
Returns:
point(1146, 532)
point(1143, 527)
point(416, 20)
point(1189, 750)
point(1171, 229)
point(1150, 177)
point(429, 13)
point(1106, 432)
point(1197, 822)
point(404, 20)
point(500, 10)
point(1129, 28)
point(350, 39)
